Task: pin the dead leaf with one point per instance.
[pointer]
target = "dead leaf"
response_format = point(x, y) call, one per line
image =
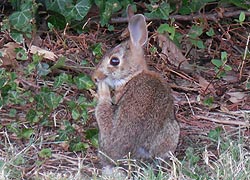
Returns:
point(204, 83)
point(43, 52)
point(236, 97)
point(9, 55)
point(173, 53)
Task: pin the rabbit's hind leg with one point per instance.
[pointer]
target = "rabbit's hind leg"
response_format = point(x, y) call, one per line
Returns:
point(166, 141)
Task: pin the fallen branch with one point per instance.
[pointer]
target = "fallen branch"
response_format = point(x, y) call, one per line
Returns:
point(210, 16)
point(236, 123)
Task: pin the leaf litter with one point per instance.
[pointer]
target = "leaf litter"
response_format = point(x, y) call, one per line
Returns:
point(192, 78)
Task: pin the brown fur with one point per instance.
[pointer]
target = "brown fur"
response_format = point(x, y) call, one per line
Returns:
point(140, 118)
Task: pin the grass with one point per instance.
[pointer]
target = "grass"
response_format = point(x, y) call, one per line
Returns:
point(225, 158)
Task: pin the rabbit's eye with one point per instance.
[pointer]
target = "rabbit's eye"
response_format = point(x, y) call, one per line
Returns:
point(114, 61)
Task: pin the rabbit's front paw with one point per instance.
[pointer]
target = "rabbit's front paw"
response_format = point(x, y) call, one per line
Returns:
point(103, 91)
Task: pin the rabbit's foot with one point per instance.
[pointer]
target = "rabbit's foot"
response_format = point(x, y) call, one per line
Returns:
point(103, 92)
point(113, 173)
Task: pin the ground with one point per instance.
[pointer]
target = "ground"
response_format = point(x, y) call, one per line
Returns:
point(204, 102)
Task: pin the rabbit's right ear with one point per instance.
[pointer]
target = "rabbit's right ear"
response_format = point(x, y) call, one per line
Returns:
point(138, 30)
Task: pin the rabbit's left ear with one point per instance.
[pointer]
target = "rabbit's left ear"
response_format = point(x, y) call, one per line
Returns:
point(138, 30)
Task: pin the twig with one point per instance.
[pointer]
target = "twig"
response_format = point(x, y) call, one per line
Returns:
point(244, 57)
point(189, 104)
point(237, 123)
point(209, 16)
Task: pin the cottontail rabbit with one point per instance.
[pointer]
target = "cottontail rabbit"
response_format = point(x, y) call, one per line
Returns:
point(139, 119)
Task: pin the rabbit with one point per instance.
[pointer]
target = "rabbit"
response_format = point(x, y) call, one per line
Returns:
point(138, 117)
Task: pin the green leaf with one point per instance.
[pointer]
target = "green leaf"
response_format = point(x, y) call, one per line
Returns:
point(247, 87)
point(223, 56)
point(197, 43)
point(17, 36)
point(56, 21)
point(59, 80)
point(217, 62)
point(227, 68)
point(32, 116)
point(195, 31)
point(64, 134)
point(59, 6)
point(60, 63)
point(21, 54)
point(209, 101)
point(83, 82)
point(242, 17)
point(92, 135)
point(12, 112)
point(166, 28)
point(45, 153)
point(79, 11)
point(191, 156)
point(52, 100)
point(75, 114)
point(80, 146)
point(107, 8)
point(43, 69)
point(239, 3)
point(215, 134)
point(19, 160)
point(97, 50)
point(162, 11)
point(210, 32)
point(26, 133)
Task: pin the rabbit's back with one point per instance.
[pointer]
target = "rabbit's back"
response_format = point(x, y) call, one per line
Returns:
point(144, 111)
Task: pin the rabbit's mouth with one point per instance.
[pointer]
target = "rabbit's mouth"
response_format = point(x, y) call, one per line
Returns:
point(115, 83)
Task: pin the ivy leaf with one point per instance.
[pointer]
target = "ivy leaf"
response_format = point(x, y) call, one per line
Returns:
point(21, 19)
point(79, 11)
point(59, 80)
point(75, 114)
point(161, 12)
point(83, 82)
point(195, 31)
point(26, 133)
point(21, 54)
point(166, 28)
point(32, 116)
point(58, 5)
point(53, 100)
point(92, 135)
point(43, 69)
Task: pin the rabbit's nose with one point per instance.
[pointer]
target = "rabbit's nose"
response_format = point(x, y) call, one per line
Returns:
point(98, 76)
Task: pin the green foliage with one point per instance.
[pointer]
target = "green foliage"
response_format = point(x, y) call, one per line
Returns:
point(158, 9)
point(166, 28)
point(194, 34)
point(68, 134)
point(45, 153)
point(241, 19)
point(193, 6)
point(210, 32)
point(221, 66)
point(208, 101)
point(92, 135)
point(21, 22)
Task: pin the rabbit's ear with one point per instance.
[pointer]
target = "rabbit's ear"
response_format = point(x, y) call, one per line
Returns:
point(130, 12)
point(138, 30)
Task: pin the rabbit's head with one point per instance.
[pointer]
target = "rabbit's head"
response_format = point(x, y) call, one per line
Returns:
point(127, 59)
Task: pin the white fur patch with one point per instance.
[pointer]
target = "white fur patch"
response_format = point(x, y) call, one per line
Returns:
point(115, 83)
